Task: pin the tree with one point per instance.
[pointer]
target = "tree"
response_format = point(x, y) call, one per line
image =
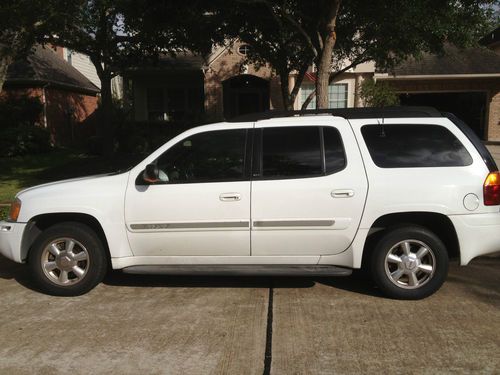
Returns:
point(123, 34)
point(273, 41)
point(23, 23)
point(377, 94)
point(338, 35)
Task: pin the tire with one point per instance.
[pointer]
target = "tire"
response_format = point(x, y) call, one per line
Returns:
point(59, 272)
point(409, 262)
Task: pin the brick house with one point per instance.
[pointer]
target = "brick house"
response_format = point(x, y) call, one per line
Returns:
point(465, 82)
point(221, 87)
point(193, 89)
point(67, 96)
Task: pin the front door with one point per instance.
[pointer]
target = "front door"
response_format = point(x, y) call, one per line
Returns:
point(310, 189)
point(201, 206)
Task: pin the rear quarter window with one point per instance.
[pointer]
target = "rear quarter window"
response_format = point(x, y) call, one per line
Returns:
point(414, 146)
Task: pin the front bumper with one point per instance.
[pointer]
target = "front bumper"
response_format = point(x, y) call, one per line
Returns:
point(11, 235)
point(478, 234)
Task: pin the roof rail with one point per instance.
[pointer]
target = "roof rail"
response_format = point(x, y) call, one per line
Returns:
point(347, 113)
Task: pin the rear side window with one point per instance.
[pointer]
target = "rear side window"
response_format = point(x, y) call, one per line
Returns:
point(412, 146)
point(291, 151)
point(334, 150)
point(295, 152)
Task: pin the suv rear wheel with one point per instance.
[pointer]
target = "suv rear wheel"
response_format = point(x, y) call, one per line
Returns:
point(409, 262)
point(67, 259)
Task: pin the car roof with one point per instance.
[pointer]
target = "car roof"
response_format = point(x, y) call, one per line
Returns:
point(347, 113)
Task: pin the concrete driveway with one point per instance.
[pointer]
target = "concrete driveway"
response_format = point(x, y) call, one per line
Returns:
point(173, 325)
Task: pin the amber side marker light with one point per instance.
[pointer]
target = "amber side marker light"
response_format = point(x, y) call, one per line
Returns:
point(491, 189)
point(15, 208)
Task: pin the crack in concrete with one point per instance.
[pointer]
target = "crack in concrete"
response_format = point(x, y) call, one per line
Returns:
point(268, 356)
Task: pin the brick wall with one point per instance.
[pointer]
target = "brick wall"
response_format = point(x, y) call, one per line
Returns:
point(230, 64)
point(66, 112)
point(494, 117)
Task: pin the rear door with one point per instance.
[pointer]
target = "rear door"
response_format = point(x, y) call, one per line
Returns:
point(309, 187)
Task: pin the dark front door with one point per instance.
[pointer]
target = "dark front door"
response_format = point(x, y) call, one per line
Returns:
point(245, 94)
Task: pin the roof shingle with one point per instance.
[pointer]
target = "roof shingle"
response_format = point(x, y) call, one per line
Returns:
point(477, 60)
point(44, 66)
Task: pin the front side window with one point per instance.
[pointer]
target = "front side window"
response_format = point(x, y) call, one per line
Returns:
point(205, 157)
point(295, 152)
point(412, 146)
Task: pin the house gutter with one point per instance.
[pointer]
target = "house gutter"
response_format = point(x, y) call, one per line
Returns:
point(435, 76)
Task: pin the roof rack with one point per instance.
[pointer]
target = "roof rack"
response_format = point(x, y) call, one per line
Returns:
point(347, 113)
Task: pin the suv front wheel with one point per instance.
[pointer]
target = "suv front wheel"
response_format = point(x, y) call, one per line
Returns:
point(67, 259)
point(409, 262)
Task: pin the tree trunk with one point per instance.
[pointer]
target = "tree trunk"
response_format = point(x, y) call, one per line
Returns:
point(325, 59)
point(5, 61)
point(285, 93)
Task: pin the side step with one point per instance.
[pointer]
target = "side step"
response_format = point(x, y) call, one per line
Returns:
point(242, 270)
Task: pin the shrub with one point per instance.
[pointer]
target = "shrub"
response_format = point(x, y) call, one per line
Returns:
point(378, 94)
point(24, 139)
point(146, 136)
point(15, 111)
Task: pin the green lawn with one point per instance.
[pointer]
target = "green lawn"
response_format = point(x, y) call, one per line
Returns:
point(21, 172)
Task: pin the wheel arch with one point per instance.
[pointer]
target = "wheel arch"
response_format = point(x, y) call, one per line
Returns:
point(438, 223)
point(37, 224)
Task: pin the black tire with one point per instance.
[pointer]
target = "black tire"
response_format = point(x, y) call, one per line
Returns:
point(385, 273)
point(94, 264)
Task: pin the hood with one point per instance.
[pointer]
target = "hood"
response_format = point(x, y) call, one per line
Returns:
point(62, 182)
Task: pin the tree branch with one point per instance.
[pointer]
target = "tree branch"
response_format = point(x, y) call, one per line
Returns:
point(332, 78)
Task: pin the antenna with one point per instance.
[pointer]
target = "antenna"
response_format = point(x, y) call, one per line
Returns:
point(382, 129)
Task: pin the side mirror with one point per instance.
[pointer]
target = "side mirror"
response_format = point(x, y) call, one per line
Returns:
point(151, 174)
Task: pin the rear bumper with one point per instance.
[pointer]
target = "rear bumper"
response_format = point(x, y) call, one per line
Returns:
point(11, 235)
point(478, 234)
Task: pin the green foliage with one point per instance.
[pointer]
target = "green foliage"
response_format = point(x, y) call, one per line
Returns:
point(15, 111)
point(23, 140)
point(378, 94)
point(290, 33)
point(144, 137)
point(20, 133)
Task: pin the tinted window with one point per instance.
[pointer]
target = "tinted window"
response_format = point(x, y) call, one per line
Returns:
point(406, 146)
point(210, 156)
point(291, 151)
point(334, 150)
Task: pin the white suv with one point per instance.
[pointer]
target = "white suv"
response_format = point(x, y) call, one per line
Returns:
point(397, 191)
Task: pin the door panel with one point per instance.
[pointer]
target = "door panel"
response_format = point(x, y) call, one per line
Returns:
point(200, 203)
point(316, 215)
point(188, 219)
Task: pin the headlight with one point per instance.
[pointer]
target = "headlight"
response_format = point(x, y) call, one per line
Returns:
point(15, 208)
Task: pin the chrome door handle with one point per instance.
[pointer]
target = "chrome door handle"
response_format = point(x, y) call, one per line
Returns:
point(345, 193)
point(230, 197)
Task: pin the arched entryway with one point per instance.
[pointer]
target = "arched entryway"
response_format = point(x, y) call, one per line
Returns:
point(244, 94)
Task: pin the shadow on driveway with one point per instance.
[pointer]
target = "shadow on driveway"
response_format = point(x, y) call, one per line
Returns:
point(481, 277)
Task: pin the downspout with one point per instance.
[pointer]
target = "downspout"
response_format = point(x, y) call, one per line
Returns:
point(44, 102)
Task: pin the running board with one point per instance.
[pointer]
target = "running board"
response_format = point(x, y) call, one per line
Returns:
point(241, 270)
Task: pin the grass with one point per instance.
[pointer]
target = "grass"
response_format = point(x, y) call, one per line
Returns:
point(18, 173)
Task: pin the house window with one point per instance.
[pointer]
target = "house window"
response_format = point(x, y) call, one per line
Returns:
point(337, 95)
point(174, 103)
point(244, 49)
